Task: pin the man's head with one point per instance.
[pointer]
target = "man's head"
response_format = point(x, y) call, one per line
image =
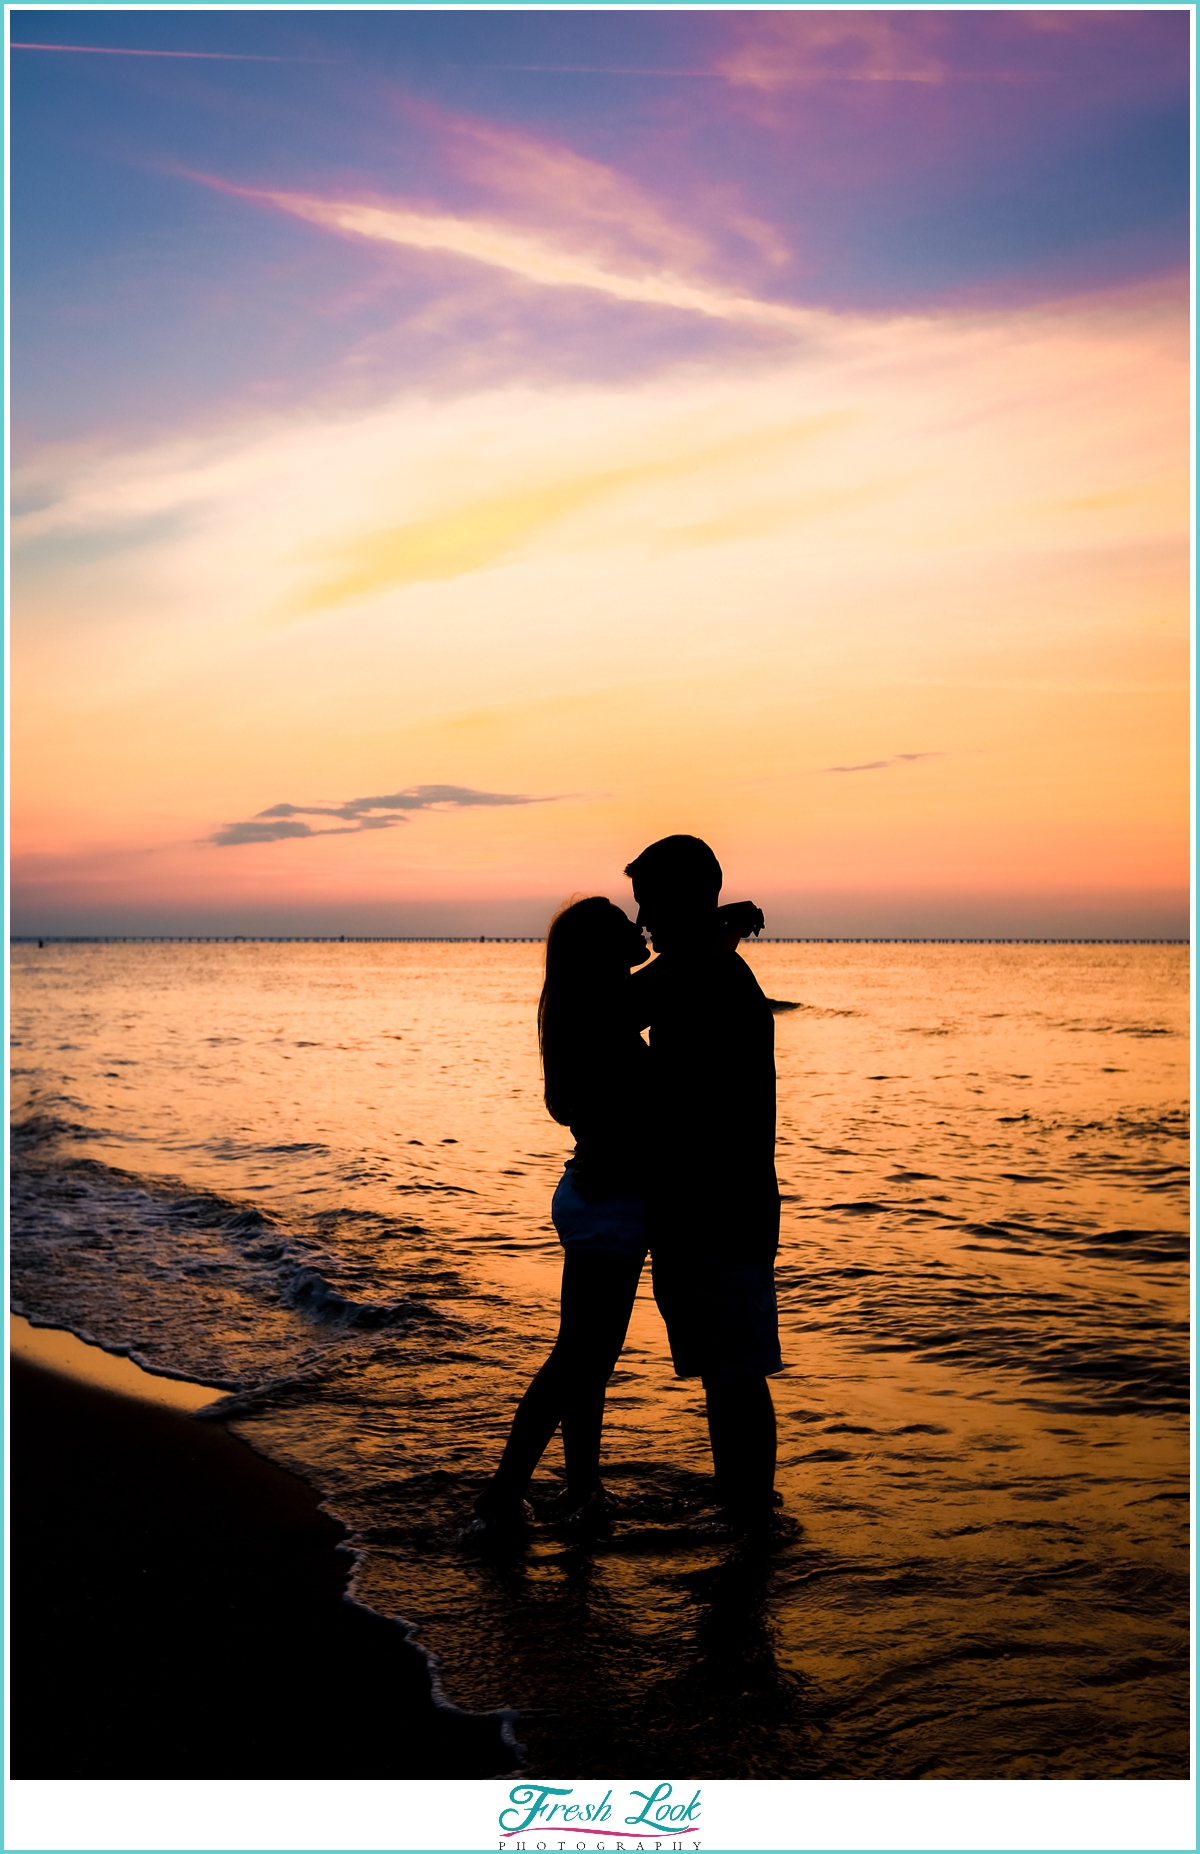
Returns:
point(676, 883)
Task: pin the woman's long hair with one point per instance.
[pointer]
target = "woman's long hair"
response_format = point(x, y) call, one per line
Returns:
point(578, 961)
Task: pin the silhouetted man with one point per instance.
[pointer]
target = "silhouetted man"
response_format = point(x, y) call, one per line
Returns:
point(714, 1200)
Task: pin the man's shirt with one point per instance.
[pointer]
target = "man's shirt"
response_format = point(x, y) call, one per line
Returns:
point(712, 1046)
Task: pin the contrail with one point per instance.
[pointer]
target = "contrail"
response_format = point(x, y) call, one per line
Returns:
point(611, 71)
point(129, 51)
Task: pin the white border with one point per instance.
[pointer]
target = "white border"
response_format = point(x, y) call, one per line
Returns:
point(764, 1815)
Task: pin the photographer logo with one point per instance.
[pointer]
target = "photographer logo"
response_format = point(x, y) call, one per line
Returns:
point(544, 1818)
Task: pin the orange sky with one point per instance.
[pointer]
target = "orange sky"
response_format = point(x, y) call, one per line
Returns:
point(892, 608)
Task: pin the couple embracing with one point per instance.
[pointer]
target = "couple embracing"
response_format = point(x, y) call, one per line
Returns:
point(674, 1154)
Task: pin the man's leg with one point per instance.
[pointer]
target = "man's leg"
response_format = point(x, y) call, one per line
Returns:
point(724, 1327)
point(741, 1428)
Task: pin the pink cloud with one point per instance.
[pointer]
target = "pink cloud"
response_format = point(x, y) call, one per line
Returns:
point(781, 51)
point(591, 206)
point(857, 97)
point(549, 184)
point(1125, 50)
point(548, 259)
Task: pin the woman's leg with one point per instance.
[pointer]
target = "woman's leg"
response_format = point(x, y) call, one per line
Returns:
point(598, 1296)
point(598, 1291)
point(538, 1416)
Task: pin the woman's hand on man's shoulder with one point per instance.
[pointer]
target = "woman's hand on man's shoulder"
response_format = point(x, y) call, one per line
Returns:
point(738, 920)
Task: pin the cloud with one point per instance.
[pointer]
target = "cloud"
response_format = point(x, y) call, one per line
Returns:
point(896, 759)
point(358, 814)
point(610, 70)
point(846, 47)
point(865, 47)
point(253, 832)
point(537, 257)
point(590, 206)
point(585, 203)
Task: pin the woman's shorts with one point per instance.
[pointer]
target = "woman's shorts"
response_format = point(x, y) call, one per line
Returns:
point(721, 1321)
point(609, 1225)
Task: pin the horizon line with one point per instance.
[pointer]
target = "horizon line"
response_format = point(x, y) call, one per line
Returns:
point(538, 939)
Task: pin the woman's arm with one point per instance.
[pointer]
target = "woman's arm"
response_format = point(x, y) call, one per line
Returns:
point(738, 920)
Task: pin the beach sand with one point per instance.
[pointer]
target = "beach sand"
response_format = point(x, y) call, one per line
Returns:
point(178, 1611)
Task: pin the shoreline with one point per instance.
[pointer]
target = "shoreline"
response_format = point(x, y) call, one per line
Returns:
point(68, 1354)
point(179, 1610)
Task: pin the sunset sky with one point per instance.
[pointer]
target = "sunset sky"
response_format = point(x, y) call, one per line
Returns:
point(452, 449)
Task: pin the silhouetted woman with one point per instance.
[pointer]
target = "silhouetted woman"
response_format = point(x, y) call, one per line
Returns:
point(595, 1067)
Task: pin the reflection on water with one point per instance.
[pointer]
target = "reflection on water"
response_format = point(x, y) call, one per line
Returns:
point(320, 1176)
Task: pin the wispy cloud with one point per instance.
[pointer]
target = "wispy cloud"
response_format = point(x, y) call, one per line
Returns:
point(360, 814)
point(895, 759)
point(608, 70)
point(536, 257)
point(848, 46)
point(587, 205)
point(1029, 48)
point(579, 203)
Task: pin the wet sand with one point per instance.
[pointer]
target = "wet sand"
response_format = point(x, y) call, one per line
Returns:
point(177, 1611)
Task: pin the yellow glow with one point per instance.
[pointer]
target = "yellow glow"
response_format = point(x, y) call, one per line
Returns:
point(484, 531)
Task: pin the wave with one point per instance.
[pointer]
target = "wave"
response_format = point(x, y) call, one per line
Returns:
point(310, 1292)
point(210, 1286)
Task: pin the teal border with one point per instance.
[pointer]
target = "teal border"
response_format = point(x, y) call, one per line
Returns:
point(393, 6)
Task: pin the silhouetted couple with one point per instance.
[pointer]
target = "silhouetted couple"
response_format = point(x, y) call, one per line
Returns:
point(675, 1153)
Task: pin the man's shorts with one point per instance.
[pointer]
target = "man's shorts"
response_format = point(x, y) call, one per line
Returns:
point(607, 1225)
point(721, 1321)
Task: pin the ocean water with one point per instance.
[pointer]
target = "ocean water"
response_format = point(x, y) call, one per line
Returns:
point(319, 1176)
